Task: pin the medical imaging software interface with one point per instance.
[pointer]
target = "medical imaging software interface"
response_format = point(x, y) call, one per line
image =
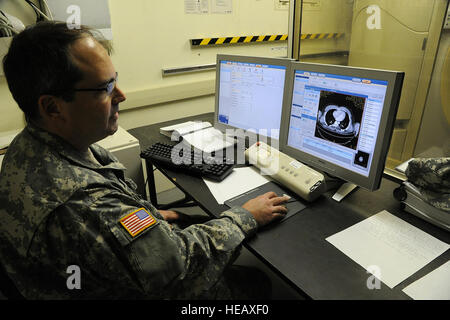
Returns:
point(251, 96)
point(336, 118)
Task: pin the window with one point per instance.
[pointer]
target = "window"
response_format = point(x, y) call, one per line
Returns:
point(403, 35)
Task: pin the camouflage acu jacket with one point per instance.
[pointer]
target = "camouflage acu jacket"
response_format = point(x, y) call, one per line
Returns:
point(432, 177)
point(59, 210)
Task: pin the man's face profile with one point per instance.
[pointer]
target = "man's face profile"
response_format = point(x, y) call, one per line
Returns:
point(92, 115)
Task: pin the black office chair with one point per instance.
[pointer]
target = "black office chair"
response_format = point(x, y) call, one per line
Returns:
point(8, 289)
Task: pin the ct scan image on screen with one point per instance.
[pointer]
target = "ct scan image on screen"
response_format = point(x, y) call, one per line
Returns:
point(339, 118)
point(336, 118)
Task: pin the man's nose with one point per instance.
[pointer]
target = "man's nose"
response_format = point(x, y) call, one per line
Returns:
point(118, 95)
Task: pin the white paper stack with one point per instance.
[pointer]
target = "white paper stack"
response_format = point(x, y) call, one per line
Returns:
point(198, 134)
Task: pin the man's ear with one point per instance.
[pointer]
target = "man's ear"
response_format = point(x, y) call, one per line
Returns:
point(50, 107)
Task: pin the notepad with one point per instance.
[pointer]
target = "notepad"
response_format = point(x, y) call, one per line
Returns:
point(238, 182)
point(396, 248)
point(175, 132)
point(199, 134)
point(208, 140)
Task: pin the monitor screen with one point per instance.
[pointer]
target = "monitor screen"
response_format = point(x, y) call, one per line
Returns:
point(340, 119)
point(249, 94)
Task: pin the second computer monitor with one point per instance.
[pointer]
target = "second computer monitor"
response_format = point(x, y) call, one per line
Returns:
point(339, 119)
point(249, 93)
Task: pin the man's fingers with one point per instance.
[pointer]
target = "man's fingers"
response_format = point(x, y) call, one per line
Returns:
point(278, 200)
point(281, 209)
point(279, 216)
point(169, 215)
point(270, 195)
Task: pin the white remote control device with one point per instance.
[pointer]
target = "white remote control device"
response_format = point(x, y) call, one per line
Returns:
point(294, 175)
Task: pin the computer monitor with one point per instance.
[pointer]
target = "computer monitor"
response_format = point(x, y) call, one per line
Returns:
point(340, 119)
point(249, 94)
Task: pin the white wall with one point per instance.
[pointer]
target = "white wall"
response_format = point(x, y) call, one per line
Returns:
point(138, 117)
point(151, 35)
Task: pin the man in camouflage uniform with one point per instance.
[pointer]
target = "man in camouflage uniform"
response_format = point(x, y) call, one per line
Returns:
point(65, 202)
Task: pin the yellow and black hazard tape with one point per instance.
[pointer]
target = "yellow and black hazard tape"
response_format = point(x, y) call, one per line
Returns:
point(232, 40)
point(305, 36)
point(264, 38)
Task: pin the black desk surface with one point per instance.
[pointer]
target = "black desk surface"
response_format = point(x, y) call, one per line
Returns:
point(296, 248)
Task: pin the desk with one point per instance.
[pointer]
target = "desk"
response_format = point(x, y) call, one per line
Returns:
point(296, 248)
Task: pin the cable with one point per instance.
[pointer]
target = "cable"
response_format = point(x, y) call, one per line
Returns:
point(4, 32)
point(7, 31)
point(38, 15)
point(47, 8)
point(6, 27)
point(36, 9)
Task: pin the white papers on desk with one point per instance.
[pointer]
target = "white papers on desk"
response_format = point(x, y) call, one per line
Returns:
point(199, 134)
point(208, 140)
point(433, 286)
point(238, 182)
point(389, 245)
point(176, 131)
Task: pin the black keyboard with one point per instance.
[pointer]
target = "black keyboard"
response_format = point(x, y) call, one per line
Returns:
point(189, 161)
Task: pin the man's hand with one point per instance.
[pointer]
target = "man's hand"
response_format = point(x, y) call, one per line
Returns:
point(266, 207)
point(169, 215)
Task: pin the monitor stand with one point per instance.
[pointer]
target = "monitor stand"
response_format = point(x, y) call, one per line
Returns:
point(343, 187)
point(343, 191)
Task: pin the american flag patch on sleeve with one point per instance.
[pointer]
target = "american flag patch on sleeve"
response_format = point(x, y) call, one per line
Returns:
point(137, 221)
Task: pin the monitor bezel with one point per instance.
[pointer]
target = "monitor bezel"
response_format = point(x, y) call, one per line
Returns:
point(285, 62)
point(387, 121)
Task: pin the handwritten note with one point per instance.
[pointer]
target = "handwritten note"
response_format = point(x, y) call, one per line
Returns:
point(396, 248)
